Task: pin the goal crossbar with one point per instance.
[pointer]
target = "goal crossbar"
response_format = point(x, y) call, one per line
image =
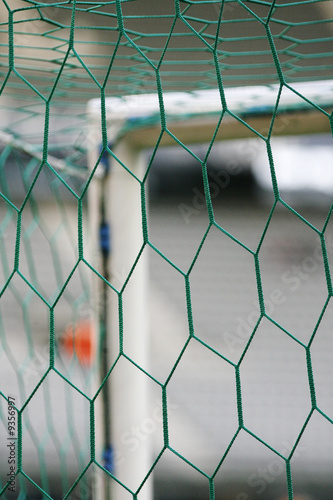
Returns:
point(194, 115)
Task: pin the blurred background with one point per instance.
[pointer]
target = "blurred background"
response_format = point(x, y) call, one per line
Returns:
point(202, 401)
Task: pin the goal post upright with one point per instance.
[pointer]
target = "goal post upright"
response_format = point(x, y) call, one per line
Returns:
point(125, 390)
point(129, 392)
point(134, 125)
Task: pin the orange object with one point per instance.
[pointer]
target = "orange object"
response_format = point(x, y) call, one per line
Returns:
point(80, 341)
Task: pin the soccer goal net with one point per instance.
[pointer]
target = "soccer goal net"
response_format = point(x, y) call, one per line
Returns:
point(166, 240)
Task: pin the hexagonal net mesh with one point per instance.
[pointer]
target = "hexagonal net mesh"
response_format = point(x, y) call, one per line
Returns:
point(230, 394)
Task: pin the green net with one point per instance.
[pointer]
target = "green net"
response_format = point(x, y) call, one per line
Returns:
point(239, 377)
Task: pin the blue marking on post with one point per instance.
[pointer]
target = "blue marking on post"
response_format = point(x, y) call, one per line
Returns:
point(105, 238)
point(108, 459)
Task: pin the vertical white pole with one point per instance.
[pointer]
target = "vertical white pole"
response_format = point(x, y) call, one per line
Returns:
point(129, 386)
point(99, 486)
point(98, 483)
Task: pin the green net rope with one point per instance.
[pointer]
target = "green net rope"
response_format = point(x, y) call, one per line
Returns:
point(55, 56)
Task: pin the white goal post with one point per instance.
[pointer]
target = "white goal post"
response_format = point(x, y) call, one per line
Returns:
point(133, 125)
point(136, 118)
